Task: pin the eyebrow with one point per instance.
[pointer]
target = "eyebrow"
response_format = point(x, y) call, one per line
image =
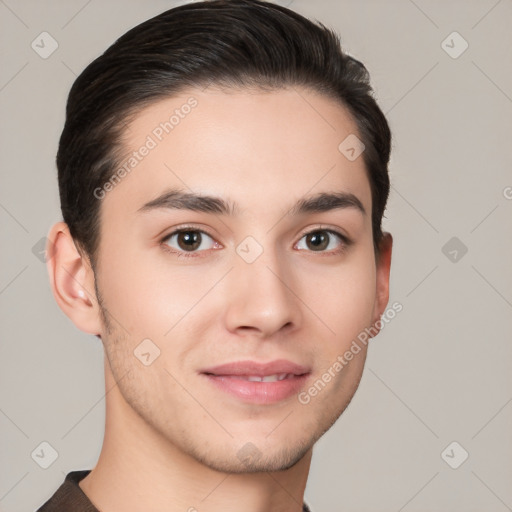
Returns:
point(180, 200)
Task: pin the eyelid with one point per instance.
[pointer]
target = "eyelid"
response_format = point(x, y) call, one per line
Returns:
point(329, 229)
point(185, 227)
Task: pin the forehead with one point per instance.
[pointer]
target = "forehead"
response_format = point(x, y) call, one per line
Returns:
point(259, 148)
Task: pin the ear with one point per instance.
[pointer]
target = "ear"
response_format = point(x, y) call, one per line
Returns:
point(72, 280)
point(383, 264)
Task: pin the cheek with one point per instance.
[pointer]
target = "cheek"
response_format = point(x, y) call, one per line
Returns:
point(148, 295)
point(343, 298)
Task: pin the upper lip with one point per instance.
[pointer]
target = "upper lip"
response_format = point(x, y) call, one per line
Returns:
point(257, 369)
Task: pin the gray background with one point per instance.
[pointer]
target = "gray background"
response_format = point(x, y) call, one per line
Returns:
point(439, 372)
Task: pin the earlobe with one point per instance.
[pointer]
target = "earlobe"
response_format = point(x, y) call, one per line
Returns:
point(382, 277)
point(72, 280)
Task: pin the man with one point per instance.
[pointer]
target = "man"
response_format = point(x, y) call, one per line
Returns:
point(223, 177)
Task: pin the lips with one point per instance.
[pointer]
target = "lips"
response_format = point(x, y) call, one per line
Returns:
point(260, 383)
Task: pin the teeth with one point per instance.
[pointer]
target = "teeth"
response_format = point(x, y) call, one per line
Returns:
point(267, 378)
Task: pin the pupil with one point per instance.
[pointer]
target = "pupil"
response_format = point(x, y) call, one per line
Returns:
point(317, 240)
point(191, 239)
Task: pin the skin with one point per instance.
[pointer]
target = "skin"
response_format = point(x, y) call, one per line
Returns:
point(171, 438)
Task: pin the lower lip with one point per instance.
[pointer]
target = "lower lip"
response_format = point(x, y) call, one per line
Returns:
point(258, 392)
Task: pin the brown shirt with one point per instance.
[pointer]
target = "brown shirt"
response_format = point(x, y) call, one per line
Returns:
point(69, 497)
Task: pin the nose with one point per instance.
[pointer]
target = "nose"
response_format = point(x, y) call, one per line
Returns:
point(261, 299)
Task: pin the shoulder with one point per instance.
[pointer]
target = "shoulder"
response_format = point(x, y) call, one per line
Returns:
point(69, 497)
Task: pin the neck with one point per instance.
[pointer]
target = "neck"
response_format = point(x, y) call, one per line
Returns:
point(139, 469)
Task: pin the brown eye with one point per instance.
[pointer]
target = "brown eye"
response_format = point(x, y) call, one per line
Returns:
point(318, 240)
point(322, 240)
point(188, 240)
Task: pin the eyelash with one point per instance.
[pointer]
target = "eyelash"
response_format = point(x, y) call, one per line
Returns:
point(195, 254)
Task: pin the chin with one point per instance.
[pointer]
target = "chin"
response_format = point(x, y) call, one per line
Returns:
point(249, 459)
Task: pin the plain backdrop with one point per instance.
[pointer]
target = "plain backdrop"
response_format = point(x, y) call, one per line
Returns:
point(438, 380)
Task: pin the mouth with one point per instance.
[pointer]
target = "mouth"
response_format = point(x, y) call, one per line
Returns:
point(258, 383)
point(257, 378)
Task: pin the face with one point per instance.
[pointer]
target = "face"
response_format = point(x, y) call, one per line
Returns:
point(243, 308)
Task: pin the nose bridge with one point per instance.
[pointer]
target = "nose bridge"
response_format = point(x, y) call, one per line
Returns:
point(260, 290)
